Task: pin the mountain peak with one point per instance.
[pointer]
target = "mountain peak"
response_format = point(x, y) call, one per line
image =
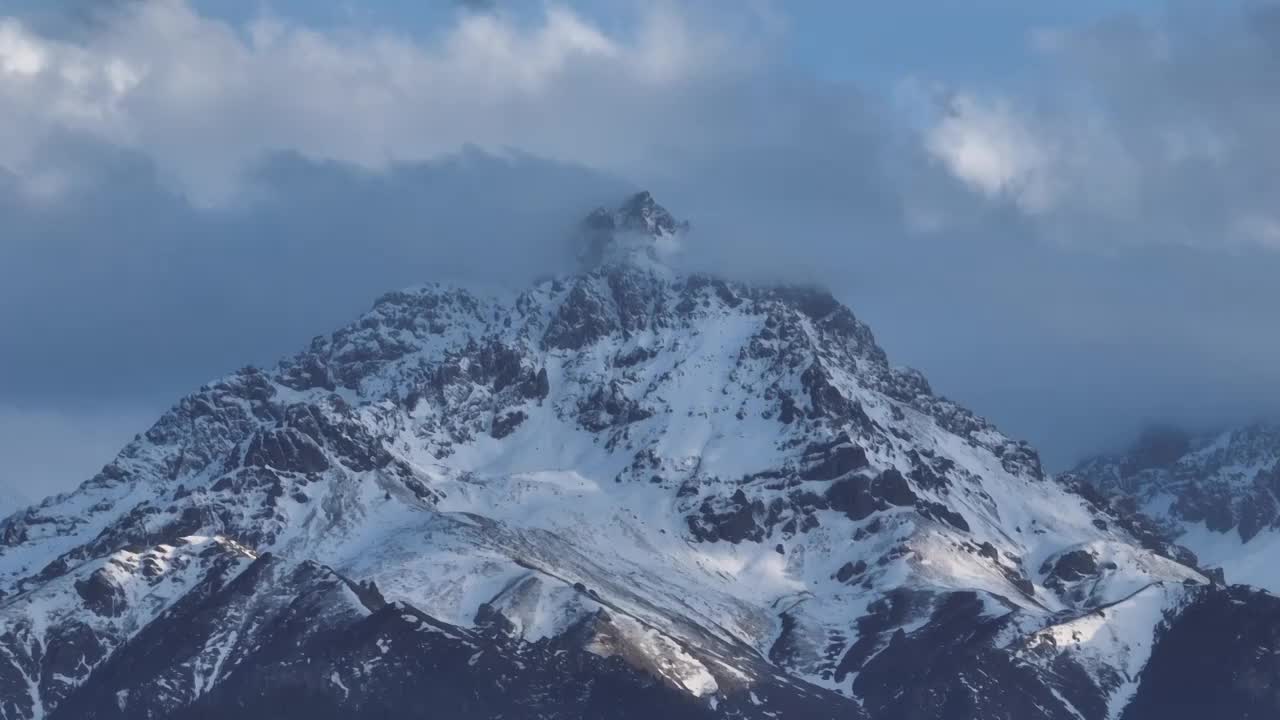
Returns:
point(622, 494)
point(639, 229)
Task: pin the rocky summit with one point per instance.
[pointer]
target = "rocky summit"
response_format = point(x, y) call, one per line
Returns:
point(623, 493)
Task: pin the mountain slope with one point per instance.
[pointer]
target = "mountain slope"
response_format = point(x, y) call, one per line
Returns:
point(619, 493)
point(1218, 494)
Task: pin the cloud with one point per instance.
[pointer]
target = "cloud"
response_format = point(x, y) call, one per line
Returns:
point(184, 195)
point(206, 98)
point(121, 296)
point(1141, 132)
point(990, 148)
point(124, 282)
point(1142, 262)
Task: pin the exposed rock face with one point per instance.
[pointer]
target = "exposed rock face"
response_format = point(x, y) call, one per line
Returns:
point(1219, 660)
point(628, 493)
point(1074, 565)
point(101, 595)
point(639, 227)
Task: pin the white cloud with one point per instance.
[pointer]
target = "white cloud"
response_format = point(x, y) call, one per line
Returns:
point(19, 54)
point(205, 98)
point(987, 145)
point(1134, 134)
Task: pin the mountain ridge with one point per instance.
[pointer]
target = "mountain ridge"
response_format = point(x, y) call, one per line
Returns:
point(1217, 493)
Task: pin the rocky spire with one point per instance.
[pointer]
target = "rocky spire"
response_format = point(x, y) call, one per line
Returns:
point(638, 230)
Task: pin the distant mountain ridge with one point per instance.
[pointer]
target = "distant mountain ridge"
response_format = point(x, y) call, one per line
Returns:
point(622, 493)
point(1216, 493)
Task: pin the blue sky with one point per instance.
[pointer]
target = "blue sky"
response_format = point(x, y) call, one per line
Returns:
point(1063, 213)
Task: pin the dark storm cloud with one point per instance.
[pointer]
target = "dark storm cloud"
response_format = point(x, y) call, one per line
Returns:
point(121, 296)
point(125, 289)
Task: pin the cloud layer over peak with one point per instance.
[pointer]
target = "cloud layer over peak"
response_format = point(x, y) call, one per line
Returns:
point(1073, 252)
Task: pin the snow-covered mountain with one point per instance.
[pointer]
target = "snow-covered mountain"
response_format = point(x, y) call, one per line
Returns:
point(1217, 494)
point(623, 493)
